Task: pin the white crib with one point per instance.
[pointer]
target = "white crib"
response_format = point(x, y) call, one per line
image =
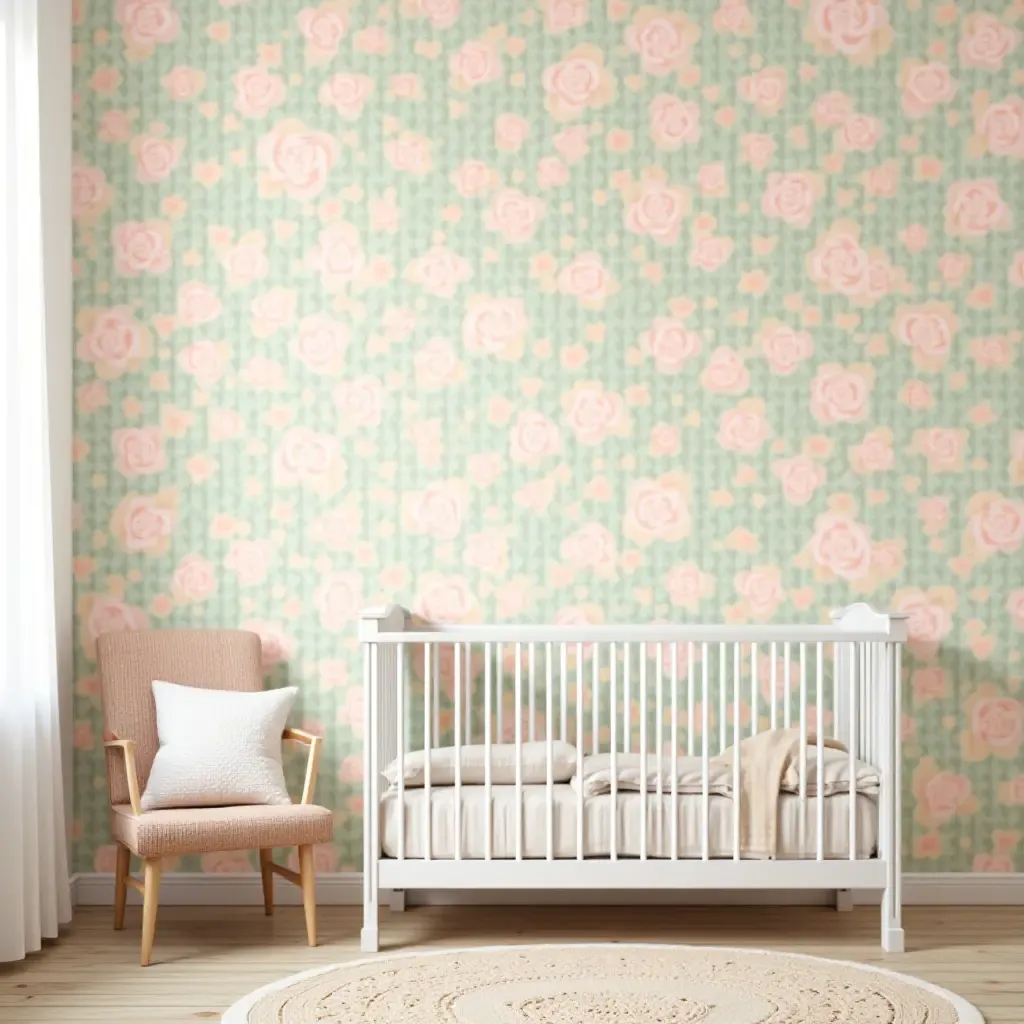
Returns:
point(669, 690)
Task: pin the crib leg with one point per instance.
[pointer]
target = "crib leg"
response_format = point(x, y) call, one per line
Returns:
point(396, 901)
point(892, 930)
point(844, 900)
point(369, 937)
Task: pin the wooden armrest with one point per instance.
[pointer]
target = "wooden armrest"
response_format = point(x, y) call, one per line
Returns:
point(127, 747)
point(312, 761)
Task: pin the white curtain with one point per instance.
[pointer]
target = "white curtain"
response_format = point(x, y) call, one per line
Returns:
point(34, 892)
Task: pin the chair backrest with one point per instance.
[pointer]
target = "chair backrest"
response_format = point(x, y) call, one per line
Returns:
point(215, 659)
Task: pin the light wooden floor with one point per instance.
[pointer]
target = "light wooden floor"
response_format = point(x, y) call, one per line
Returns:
point(206, 957)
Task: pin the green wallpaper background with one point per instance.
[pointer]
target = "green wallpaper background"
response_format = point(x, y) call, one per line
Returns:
point(557, 311)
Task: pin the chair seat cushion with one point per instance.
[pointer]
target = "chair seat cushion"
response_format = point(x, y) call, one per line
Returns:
point(210, 829)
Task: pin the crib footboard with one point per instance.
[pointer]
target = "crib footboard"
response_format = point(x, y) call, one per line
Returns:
point(618, 757)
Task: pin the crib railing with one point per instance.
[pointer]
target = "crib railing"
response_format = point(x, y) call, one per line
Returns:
point(658, 691)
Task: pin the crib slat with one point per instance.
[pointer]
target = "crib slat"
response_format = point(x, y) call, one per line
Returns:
point(736, 785)
point(854, 663)
point(400, 734)
point(565, 697)
point(613, 819)
point(787, 710)
point(627, 700)
point(467, 682)
point(803, 748)
point(773, 654)
point(458, 751)
point(428, 656)
point(579, 751)
point(659, 712)
point(499, 680)
point(595, 698)
point(689, 699)
point(488, 808)
point(518, 723)
point(704, 758)
point(549, 796)
point(643, 751)
point(532, 694)
point(674, 741)
point(820, 751)
point(723, 694)
point(754, 695)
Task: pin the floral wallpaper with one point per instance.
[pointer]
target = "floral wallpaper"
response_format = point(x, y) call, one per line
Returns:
point(557, 310)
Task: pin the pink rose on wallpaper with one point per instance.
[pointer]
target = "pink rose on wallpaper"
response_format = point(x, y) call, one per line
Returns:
point(562, 15)
point(184, 83)
point(986, 41)
point(320, 343)
point(592, 546)
point(476, 62)
point(674, 122)
point(974, 208)
point(587, 279)
point(594, 413)
point(360, 401)
point(658, 210)
point(954, 268)
point(441, 598)
point(225, 425)
point(800, 477)
point(757, 150)
point(686, 585)
point(734, 17)
point(998, 722)
point(276, 645)
point(487, 551)
point(662, 40)
point(996, 524)
point(842, 394)
point(883, 180)
point(712, 180)
point(710, 252)
point(496, 326)
point(784, 348)
point(1002, 126)
point(142, 247)
point(155, 157)
point(551, 172)
point(668, 342)
point(103, 613)
point(249, 560)
point(257, 91)
point(145, 23)
point(944, 795)
point(859, 133)
point(1015, 275)
point(346, 93)
point(510, 132)
point(658, 509)
point(915, 237)
point(90, 193)
point(323, 28)
point(246, 261)
point(943, 447)
point(437, 365)
point(934, 515)
point(514, 215)
point(995, 352)
point(197, 304)
point(295, 160)
point(858, 29)
point(339, 599)
point(439, 271)
point(840, 264)
point(925, 86)
point(533, 437)
point(193, 580)
point(664, 440)
point(915, 394)
point(439, 510)
point(831, 109)
point(578, 82)
point(1015, 606)
point(842, 546)
point(143, 523)
point(91, 397)
point(440, 13)
point(117, 126)
point(406, 86)
point(928, 331)
point(306, 458)
point(473, 178)
point(571, 143)
point(761, 590)
point(206, 361)
point(113, 340)
point(410, 153)
point(765, 89)
point(874, 454)
point(790, 197)
point(744, 429)
point(272, 310)
point(929, 683)
point(726, 373)
point(931, 617)
point(338, 255)
point(139, 451)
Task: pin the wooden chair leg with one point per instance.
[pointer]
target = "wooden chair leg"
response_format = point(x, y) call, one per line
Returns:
point(150, 899)
point(124, 864)
point(308, 891)
point(266, 859)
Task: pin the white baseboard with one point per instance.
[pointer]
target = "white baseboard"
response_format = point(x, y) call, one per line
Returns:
point(245, 890)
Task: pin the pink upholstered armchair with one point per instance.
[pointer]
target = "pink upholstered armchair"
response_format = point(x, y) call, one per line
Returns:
point(215, 659)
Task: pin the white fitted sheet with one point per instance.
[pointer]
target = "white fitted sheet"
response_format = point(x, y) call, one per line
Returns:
point(597, 813)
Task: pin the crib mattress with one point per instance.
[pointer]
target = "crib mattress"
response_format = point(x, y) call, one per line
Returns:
point(597, 823)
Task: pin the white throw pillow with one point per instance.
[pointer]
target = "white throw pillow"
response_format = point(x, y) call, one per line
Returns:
point(218, 747)
point(472, 758)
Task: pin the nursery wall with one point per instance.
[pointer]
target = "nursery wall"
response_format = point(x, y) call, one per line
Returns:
point(567, 310)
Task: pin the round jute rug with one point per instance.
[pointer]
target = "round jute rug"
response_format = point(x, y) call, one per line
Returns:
point(601, 984)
